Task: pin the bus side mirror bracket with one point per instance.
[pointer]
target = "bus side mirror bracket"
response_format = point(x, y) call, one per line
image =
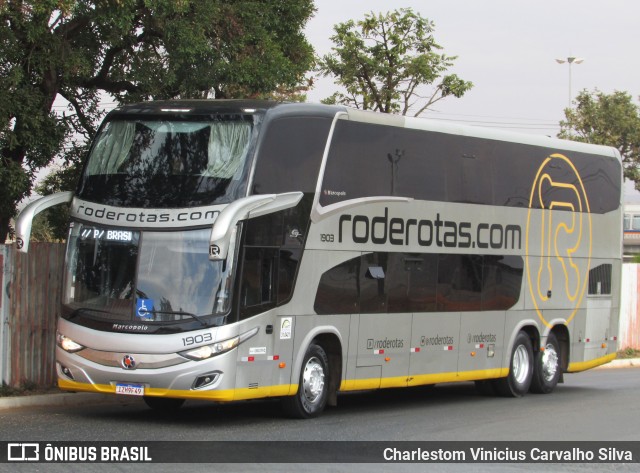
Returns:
point(243, 209)
point(25, 219)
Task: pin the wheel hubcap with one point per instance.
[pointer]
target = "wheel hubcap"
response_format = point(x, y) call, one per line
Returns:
point(313, 380)
point(549, 362)
point(520, 364)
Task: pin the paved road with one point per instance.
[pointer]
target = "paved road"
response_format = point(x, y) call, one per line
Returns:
point(595, 405)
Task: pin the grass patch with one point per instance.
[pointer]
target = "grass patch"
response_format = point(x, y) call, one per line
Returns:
point(628, 353)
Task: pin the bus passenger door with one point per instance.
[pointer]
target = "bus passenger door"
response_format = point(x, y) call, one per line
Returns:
point(264, 282)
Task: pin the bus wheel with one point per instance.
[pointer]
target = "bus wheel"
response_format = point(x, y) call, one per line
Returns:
point(163, 403)
point(517, 383)
point(546, 368)
point(313, 387)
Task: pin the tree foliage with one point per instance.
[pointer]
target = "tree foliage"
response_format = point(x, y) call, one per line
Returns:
point(132, 50)
point(385, 61)
point(607, 119)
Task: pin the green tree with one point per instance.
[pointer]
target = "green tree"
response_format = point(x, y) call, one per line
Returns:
point(132, 50)
point(61, 178)
point(607, 119)
point(385, 61)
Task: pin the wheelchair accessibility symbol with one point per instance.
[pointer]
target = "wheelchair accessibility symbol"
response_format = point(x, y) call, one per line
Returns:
point(144, 309)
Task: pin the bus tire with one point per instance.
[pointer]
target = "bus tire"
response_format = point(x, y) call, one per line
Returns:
point(313, 386)
point(517, 383)
point(163, 403)
point(546, 367)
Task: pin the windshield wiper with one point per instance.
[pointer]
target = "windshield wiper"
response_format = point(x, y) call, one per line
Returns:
point(199, 318)
point(180, 312)
point(77, 311)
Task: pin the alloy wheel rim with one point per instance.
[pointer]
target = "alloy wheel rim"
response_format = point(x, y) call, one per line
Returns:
point(313, 380)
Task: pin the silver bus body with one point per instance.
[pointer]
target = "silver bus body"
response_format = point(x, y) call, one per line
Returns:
point(395, 270)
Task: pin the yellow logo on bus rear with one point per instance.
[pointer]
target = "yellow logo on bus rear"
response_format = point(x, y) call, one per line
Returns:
point(558, 237)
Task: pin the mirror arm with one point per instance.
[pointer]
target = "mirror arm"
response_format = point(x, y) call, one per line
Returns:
point(25, 219)
point(243, 209)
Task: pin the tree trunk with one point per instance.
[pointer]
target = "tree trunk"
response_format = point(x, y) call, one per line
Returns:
point(4, 225)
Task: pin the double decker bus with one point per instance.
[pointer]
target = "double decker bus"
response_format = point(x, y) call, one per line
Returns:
point(231, 250)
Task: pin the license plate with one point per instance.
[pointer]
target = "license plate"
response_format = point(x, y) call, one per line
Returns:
point(130, 389)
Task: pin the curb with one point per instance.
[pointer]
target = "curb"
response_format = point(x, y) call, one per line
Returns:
point(74, 399)
point(626, 363)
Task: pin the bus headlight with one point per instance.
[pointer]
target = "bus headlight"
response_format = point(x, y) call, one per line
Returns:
point(207, 351)
point(67, 344)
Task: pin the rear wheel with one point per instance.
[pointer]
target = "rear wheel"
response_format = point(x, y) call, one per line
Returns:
point(163, 403)
point(313, 386)
point(517, 383)
point(546, 368)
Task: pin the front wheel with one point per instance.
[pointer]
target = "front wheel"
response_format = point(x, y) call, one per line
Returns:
point(546, 369)
point(517, 383)
point(313, 386)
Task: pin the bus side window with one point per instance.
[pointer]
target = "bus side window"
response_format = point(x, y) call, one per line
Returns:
point(421, 271)
point(258, 284)
point(428, 282)
point(268, 275)
point(339, 290)
point(501, 281)
point(287, 268)
point(459, 282)
point(600, 280)
point(373, 283)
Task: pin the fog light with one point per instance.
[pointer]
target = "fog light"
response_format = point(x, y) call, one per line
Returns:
point(66, 371)
point(205, 380)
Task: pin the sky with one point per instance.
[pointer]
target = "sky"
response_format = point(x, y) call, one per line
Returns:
point(508, 49)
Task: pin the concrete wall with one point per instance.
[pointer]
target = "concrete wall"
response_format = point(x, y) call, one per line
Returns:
point(629, 334)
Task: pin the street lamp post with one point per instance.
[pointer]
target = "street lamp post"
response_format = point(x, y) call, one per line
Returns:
point(570, 60)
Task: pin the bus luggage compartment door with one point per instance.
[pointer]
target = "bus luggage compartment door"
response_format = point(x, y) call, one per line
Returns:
point(384, 341)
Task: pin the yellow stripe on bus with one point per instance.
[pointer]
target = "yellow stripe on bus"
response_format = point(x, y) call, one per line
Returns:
point(346, 385)
point(421, 379)
point(585, 365)
point(218, 395)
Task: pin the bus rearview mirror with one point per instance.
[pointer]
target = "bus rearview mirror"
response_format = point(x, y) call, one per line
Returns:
point(25, 219)
point(243, 209)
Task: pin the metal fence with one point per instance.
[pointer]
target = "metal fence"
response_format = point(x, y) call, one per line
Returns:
point(6, 271)
point(31, 288)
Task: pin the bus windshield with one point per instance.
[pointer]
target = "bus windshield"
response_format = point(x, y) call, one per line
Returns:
point(140, 276)
point(168, 163)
